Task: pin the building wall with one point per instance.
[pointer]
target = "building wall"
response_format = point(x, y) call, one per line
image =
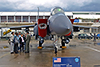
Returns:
point(25, 16)
point(18, 19)
point(21, 18)
point(33, 16)
point(3, 19)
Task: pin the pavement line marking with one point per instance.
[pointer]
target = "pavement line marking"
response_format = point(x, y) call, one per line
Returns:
point(93, 49)
point(4, 55)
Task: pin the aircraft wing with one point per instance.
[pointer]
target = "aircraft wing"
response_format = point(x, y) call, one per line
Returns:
point(80, 26)
point(77, 28)
point(19, 27)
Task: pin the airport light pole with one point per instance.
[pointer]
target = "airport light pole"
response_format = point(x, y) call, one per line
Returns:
point(38, 13)
point(1, 33)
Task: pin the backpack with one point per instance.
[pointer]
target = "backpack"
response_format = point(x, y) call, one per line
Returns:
point(15, 40)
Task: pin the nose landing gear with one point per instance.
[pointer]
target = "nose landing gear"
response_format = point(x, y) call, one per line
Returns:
point(40, 43)
point(63, 43)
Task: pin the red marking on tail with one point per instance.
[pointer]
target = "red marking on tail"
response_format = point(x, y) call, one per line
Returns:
point(72, 20)
point(42, 27)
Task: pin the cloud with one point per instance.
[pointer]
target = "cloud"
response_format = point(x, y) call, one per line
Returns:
point(46, 5)
point(92, 6)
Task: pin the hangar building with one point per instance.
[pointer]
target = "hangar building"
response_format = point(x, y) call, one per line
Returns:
point(32, 16)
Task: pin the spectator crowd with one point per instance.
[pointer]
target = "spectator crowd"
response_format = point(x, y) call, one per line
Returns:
point(19, 42)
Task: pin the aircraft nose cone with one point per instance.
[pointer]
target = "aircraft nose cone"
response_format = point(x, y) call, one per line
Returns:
point(61, 25)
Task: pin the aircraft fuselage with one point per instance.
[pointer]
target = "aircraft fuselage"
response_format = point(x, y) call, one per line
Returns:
point(60, 24)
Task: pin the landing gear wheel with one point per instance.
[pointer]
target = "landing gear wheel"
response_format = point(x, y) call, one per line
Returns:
point(55, 50)
point(40, 44)
point(63, 44)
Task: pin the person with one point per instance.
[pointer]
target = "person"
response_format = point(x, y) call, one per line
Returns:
point(36, 31)
point(28, 38)
point(12, 43)
point(16, 41)
point(19, 34)
point(22, 42)
point(94, 37)
point(24, 36)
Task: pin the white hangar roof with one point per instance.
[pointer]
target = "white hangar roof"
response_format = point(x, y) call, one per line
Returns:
point(89, 15)
point(24, 13)
point(81, 14)
point(29, 13)
point(69, 13)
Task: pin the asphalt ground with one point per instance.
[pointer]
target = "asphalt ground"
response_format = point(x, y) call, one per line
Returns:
point(87, 50)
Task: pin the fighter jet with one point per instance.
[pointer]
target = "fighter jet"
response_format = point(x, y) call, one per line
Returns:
point(57, 26)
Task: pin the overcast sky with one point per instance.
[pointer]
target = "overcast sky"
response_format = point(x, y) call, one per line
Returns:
point(46, 5)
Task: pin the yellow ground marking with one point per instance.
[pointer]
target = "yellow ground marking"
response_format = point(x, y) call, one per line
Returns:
point(4, 55)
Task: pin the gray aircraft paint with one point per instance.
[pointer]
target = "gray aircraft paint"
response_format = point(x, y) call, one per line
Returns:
point(36, 30)
point(60, 24)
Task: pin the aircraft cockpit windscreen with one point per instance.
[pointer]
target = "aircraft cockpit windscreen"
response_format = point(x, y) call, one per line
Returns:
point(57, 10)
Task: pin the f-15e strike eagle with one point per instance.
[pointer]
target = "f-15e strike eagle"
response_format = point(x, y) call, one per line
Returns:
point(57, 26)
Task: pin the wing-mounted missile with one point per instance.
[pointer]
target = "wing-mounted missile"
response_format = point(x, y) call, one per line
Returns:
point(42, 27)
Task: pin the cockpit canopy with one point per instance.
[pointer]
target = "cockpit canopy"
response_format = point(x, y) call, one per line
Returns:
point(57, 10)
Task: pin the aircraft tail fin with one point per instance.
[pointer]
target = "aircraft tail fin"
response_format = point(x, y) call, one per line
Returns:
point(42, 27)
point(72, 20)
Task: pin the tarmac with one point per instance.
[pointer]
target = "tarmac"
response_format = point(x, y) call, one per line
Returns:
point(87, 50)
